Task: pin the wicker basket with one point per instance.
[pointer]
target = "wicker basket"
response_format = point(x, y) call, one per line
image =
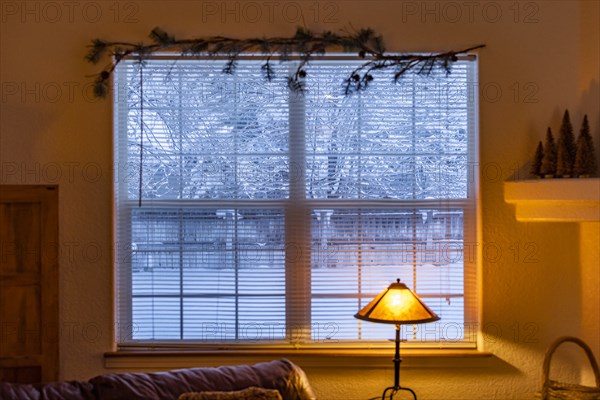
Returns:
point(553, 390)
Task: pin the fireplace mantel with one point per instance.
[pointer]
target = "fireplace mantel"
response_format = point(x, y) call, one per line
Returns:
point(555, 200)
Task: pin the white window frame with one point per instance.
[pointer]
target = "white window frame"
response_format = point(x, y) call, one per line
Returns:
point(298, 280)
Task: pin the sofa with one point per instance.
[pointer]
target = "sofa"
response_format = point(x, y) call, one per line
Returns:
point(283, 375)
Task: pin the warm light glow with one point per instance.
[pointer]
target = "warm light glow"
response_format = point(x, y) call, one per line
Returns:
point(397, 305)
point(395, 300)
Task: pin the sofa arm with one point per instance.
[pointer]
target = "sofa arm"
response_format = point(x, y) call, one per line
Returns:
point(71, 390)
point(283, 375)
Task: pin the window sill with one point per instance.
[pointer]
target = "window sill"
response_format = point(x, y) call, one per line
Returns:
point(357, 358)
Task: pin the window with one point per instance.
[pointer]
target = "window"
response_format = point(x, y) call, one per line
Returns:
point(272, 217)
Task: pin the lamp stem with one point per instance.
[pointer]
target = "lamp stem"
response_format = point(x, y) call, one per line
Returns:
point(388, 393)
point(397, 359)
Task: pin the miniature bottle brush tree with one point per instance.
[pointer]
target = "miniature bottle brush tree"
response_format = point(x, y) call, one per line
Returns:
point(565, 158)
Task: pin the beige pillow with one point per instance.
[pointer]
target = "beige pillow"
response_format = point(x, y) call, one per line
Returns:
point(251, 393)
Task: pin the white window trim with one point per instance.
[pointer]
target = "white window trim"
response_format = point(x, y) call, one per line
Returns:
point(472, 269)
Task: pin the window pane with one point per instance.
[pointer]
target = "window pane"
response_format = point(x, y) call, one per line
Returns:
point(356, 253)
point(221, 271)
point(392, 141)
point(207, 135)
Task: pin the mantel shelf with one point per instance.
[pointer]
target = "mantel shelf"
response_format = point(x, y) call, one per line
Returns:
point(555, 200)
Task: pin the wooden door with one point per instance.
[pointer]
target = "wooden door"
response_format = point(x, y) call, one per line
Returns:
point(29, 252)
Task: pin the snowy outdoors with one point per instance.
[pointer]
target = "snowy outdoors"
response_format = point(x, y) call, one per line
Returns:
point(269, 216)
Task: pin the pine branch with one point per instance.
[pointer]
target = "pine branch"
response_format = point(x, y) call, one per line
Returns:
point(304, 43)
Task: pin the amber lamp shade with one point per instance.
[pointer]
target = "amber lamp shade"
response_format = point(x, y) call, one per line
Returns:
point(397, 305)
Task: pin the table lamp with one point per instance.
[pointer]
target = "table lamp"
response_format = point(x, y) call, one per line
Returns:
point(397, 305)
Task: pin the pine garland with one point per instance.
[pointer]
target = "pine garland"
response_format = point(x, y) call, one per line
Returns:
point(304, 44)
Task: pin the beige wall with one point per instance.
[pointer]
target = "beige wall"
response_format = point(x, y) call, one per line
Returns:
point(541, 55)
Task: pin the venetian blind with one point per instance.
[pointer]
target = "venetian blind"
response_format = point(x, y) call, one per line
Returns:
point(271, 217)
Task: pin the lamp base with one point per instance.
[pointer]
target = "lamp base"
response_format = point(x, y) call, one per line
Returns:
point(393, 390)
